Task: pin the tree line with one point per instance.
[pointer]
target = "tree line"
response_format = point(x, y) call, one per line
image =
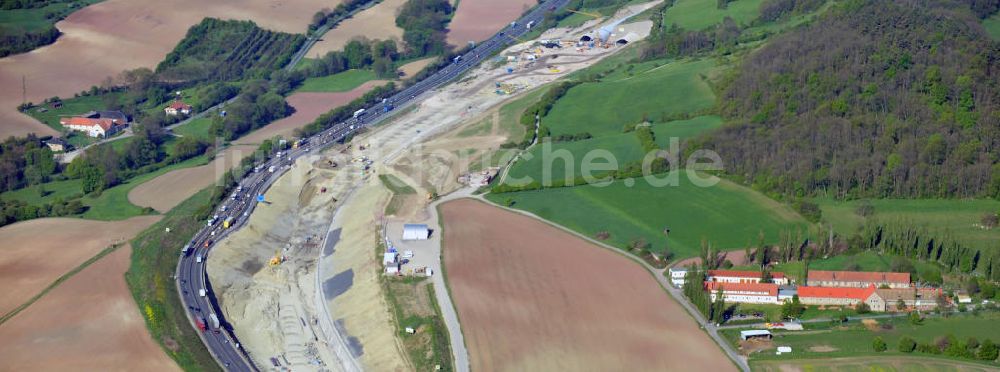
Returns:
point(424, 24)
point(843, 107)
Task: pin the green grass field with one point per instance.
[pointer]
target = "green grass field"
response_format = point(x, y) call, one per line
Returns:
point(871, 364)
point(604, 107)
point(699, 14)
point(992, 26)
point(956, 217)
point(341, 82)
point(855, 339)
point(113, 203)
point(548, 161)
point(197, 128)
point(684, 129)
point(773, 312)
point(727, 215)
point(510, 113)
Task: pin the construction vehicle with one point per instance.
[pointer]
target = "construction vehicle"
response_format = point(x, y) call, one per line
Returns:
point(277, 259)
point(227, 222)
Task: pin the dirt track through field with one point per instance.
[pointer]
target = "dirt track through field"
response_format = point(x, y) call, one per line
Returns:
point(375, 23)
point(477, 20)
point(104, 39)
point(533, 297)
point(88, 323)
point(35, 253)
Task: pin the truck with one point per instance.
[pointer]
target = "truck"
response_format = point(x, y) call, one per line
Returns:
point(201, 323)
point(227, 222)
point(211, 221)
point(271, 169)
point(359, 113)
point(530, 24)
point(186, 249)
point(214, 321)
point(197, 258)
point(201, 292)
point(387, 108)
point(456, 59)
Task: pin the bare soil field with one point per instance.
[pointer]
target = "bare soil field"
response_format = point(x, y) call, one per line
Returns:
point(37, 252)
point(88, 323)
point(542, 299)
point(414, 67)
point(476, 20)
point(104, 39)
point(166, 191)
point(308, 106)
point(375, 23)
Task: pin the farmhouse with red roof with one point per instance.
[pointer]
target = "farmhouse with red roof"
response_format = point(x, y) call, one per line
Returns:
point(96, 124)
point(755, 293)
point(737, 276)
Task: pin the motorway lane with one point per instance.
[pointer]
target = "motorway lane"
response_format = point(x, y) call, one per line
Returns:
point(191, 274)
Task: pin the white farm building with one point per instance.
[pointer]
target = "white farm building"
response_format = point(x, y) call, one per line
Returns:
point(413, 231)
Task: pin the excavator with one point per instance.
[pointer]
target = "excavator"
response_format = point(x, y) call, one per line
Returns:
point(277, 259)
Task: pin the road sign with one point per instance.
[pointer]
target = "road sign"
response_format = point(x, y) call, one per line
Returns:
point(260, 198)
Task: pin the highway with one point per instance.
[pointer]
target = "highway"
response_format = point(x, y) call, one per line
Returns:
point(191, 276)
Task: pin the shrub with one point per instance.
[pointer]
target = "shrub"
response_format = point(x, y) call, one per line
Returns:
point(878, 344)
point(907, 345)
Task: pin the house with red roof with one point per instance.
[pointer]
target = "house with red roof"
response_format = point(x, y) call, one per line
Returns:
point(95, 125)
point(858, 279)
point(178, 107)
point(834, 296)
point(754, 293)
point(741, 276)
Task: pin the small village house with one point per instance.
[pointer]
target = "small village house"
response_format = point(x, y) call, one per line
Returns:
point(57, 144)
point(178, 107)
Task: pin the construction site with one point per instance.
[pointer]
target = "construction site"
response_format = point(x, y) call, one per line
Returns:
point(299, 283)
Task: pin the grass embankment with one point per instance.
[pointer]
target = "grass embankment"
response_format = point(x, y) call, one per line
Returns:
point(150, 279)
point(340, 82)
point(400, 192)
point(958, 218)
point(413, 305)
point(197, 128)
point(700, 14)
point(727, 215)
point(854, 339)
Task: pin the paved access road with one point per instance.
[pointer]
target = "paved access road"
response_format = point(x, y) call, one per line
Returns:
point(191, 276)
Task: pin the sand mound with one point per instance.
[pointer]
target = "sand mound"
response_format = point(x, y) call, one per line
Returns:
point(37, 252)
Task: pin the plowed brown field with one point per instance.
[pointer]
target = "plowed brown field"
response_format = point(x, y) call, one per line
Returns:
point(88, 323)
point(476, 20)
point(35, 253)
point(532, 297)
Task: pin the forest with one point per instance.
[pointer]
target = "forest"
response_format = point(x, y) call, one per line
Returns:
point(218, 50)
point(874, 99)
point(424, 24)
